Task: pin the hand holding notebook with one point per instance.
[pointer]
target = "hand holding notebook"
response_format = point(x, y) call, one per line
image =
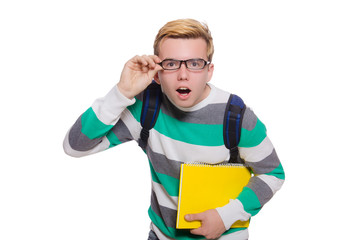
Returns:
point(212, 225)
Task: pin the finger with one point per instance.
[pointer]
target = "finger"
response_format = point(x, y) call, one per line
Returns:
point(147, 61)
point(156, 68)
point(145, 69)
point(154, 71)
point(194, 217)
point(140, 61)
point(197, 231)
point(152, 60)
point(155, 58)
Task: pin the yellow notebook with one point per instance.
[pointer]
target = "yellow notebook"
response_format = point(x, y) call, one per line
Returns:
point(204, 187)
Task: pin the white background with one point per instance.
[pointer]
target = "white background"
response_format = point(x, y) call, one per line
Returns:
point(296, 63)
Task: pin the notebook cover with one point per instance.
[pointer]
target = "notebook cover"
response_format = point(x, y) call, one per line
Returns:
point(204, 187)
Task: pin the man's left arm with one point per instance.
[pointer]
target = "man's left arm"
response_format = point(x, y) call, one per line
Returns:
point(268, 174)
point(268, 177)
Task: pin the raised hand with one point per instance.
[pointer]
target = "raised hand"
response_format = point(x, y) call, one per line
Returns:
point(137, 74)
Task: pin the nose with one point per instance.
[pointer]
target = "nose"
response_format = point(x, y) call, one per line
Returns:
point(183, 72)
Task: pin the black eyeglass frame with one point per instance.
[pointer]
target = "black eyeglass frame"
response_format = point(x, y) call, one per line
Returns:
point(184, 61)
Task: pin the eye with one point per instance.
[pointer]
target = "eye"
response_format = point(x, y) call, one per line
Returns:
point(170, 64)
point(196, 63)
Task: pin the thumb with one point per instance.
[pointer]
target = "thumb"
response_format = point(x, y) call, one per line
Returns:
point(155, 70)
point(193, 217)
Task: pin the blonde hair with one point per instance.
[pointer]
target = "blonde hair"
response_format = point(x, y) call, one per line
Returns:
point(187, 29)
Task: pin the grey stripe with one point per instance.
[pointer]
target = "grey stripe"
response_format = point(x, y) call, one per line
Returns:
point(249, 120)
point(168, 215)
point(266, 165)
point(261, 189)
point(210, 114)
point(79, 141)
point(122, 132)
point(163, 165)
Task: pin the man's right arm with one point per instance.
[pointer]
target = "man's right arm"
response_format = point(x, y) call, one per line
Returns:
point(92, 133)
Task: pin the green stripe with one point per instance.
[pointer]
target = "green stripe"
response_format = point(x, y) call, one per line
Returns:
point(197, 134)
point(160, 223)
point(179, 234)
point(113, 139)
point(250, 201)
point(254, 137)
point(278, 172)
point(136, 109)
point(92, 127)
point(170, 184)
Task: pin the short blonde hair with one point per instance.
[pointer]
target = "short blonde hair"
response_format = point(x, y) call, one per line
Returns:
point(188, 29)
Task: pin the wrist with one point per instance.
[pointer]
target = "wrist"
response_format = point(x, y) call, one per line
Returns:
point(232, 212)
point(109, 108)
point(125, 92)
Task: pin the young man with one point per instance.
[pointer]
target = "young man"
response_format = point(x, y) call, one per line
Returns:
point(188, 129)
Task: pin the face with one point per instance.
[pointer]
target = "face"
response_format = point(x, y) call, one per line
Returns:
point(184, 87)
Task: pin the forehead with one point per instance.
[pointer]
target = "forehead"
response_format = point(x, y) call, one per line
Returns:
point(183, 49)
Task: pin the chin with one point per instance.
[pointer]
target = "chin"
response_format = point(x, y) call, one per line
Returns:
point(185, 104)
point(182, 103)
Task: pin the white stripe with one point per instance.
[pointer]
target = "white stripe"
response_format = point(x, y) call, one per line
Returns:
point(239, 235)
point(232, 212)
point(185, 152)
point(158, 232)
point(257, 153)
point(163, 198)
point(218, 95)
point(131, 123)
point(109, 108)
point(273, 182)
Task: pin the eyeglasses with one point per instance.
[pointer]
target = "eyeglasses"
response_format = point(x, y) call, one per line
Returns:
point(193, 64)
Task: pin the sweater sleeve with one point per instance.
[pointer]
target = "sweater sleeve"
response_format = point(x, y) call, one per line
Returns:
point(268, 175)
point(95, 130)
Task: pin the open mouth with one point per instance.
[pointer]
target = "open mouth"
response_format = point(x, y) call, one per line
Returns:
point(183, 91)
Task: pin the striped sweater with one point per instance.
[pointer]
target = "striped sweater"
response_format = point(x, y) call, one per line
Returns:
point(182, 135)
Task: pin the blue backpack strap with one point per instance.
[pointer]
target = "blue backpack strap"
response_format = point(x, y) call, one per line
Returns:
point(152, 98)
point(233, 118)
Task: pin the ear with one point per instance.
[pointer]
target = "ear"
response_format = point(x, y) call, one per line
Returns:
point(157, 79)
point(210, 71)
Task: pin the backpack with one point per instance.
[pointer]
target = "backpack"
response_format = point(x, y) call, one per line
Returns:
point(233, 116)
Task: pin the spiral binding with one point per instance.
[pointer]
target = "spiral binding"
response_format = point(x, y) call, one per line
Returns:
point(224, 164)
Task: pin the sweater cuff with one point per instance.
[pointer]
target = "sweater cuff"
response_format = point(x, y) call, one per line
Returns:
point(232, 212)
point(109, 108)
